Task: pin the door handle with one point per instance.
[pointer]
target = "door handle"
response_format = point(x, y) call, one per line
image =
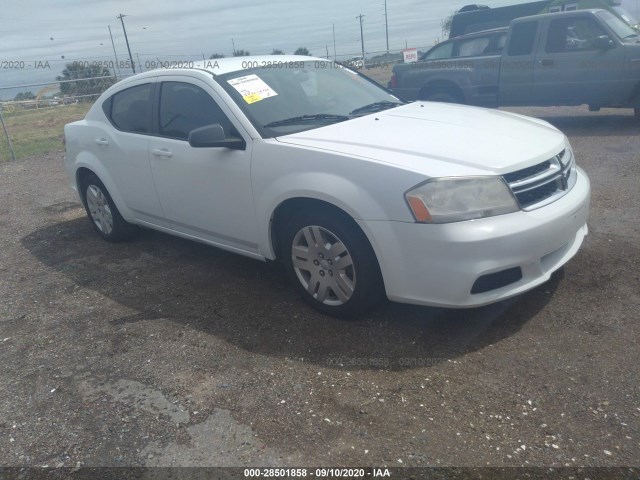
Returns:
point(102, 141)
point(162, 152)
point(547, 62)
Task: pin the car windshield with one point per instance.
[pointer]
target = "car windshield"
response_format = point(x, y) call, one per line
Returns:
point(291, 97)
point(620, 28)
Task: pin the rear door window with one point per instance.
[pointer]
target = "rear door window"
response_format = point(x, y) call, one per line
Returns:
point(441, 51)
point(129, 110)
point(473, 47)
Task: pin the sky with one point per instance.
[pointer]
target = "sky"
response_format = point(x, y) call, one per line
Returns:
point(45, 35)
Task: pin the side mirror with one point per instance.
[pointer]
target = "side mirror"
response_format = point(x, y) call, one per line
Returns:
point(212, 136)
point(603, 42)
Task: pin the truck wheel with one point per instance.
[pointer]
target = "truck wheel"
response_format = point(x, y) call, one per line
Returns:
point(444, 97)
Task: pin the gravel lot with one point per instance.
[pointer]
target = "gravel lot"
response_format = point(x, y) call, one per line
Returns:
point(164, 352)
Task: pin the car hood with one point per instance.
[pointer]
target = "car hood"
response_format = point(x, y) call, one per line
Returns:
point(431, 138)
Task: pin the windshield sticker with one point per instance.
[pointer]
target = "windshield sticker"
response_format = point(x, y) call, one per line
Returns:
point(252, 88)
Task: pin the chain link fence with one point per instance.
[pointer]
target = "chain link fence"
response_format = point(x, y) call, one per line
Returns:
point(33, 119)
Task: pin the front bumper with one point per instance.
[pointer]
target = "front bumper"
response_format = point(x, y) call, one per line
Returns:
point(438, 265)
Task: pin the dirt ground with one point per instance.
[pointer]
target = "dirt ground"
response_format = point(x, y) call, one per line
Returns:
point(163, 352)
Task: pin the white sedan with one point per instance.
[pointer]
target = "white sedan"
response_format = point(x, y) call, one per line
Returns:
point(358, 194)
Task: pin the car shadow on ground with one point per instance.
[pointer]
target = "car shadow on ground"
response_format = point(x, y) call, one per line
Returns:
point(250, 303)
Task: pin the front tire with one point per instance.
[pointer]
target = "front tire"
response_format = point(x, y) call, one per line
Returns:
point(331, 263)
point(102, 212)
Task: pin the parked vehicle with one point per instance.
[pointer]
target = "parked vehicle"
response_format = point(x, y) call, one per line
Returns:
point(489, 42)
point(477, 18)
point(356, 62)
point(571, 58)
point(304, 161)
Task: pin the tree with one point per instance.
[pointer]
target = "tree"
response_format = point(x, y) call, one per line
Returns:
point(216, 55)
point(446, 24)
point(241, 53)
point(24, 96)
point(302, 51)
point(100, 76)
point(277, 52)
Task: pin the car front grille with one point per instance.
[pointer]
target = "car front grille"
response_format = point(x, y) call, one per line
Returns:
point(544, 183)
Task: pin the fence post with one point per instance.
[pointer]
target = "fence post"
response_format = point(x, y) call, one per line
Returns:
point(4, 127)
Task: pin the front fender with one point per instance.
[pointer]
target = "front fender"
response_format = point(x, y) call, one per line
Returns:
point(341, 193)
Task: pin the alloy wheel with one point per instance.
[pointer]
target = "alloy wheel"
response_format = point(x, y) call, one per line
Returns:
point(99, 209)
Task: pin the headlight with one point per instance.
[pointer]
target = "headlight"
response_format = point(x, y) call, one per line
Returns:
point(445, 200)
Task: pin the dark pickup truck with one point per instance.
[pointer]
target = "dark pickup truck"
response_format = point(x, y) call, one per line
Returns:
point(570, 58)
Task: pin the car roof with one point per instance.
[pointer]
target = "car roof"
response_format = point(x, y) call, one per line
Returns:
point(235, 64)
point(221, 66)
point(218, 66)
point(569, 13)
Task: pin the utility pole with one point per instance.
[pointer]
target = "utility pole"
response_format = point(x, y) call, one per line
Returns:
point(361, 35)
point(234, 47)
point(334, 42)
point(114, 54)
point(133, 65)
point(386, 25)
point(327, 46)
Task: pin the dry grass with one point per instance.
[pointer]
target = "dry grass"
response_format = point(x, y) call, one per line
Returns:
point(36, 132)
point(381, 74)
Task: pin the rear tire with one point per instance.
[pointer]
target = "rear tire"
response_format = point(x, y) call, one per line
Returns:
point(636, 111)
point(331, 263)
point(102, 212)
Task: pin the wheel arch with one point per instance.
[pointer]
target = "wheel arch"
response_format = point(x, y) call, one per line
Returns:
point(287, 207)
point(444, 86)
point(634, 98)
point(87, 165)
point(81, 174)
